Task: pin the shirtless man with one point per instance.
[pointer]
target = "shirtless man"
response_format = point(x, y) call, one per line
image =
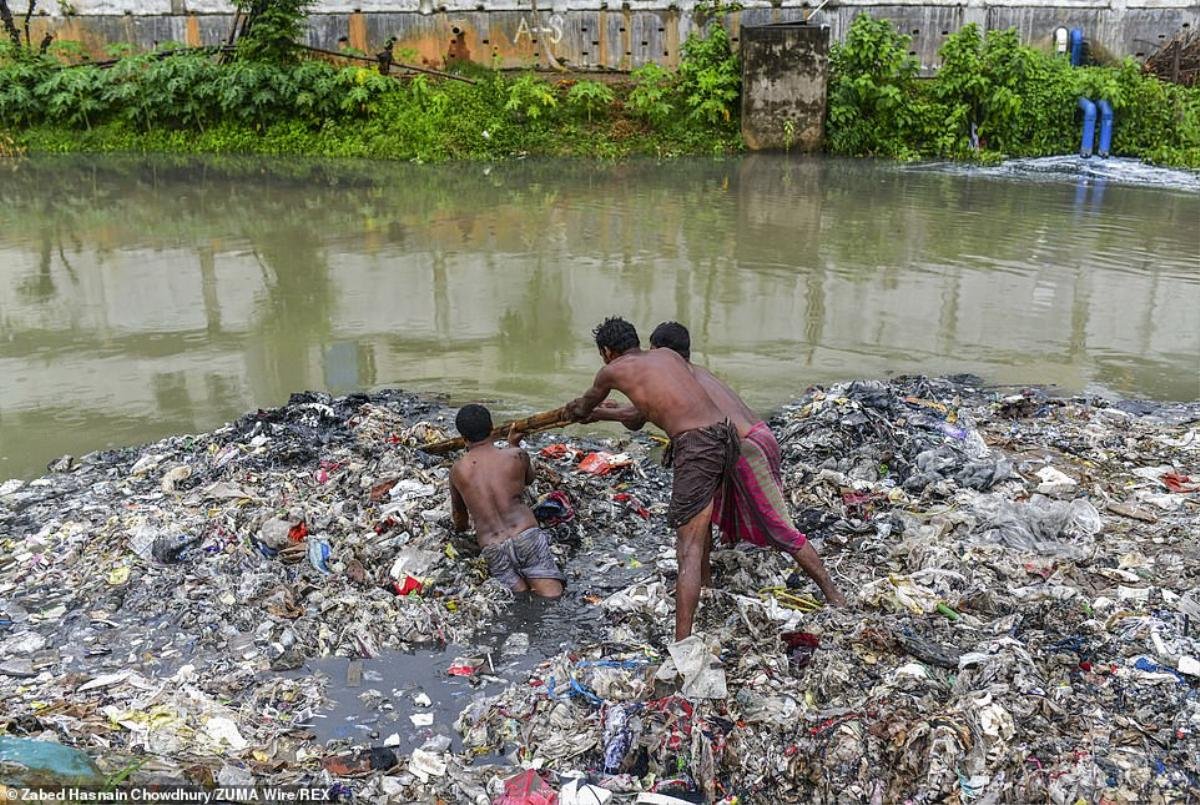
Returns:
point(703, 442)
point(751, 506)
point(487, 483)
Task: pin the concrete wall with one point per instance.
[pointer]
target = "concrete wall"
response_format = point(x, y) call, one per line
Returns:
point(784, 71)
point(599, 34)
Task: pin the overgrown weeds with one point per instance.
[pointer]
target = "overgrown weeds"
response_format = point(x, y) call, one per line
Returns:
point(993, 97)
point(267, 100)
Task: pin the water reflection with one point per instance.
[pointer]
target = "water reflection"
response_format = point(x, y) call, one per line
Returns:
point(140, 298)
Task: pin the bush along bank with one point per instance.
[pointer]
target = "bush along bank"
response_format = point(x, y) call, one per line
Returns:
point(992, 98)
point(267, 100)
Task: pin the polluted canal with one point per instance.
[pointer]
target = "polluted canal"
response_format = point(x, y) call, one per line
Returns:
point(281, 600)
point(141, 298)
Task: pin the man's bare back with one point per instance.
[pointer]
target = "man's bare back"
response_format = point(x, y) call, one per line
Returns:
point(725, 398)
point(660, 384)
point(490, 482)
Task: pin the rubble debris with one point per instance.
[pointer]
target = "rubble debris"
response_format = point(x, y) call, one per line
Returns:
point(983, 655)
point(1006, 640)
point(1178, 59)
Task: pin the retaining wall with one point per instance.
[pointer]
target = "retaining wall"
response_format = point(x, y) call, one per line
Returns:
point(784, 72)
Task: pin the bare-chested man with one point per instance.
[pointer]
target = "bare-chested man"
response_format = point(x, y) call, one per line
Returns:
point(487, 483)
point(703, 448)
point(751, 506)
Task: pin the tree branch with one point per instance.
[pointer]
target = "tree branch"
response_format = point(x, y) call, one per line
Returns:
point(7, 18)
point(28, 14)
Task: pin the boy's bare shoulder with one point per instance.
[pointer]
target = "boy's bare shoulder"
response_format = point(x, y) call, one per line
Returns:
point(515, 453)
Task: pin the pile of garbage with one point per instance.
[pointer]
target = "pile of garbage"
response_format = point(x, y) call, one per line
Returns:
point(1022, 573)
point(1178, 59)
point(152, 600)
point(1021, 568)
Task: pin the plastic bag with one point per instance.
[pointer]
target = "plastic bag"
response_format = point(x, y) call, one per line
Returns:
point(1041, 525)
point(526, 788)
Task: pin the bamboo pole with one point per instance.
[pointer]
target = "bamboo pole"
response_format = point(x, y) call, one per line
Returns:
point(546, 420)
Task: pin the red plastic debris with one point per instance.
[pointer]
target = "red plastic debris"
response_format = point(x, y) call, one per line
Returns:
point(830, 723)
point(411, 584)
point(1040, 567)
point(797, 639)
point(360, 763)
point(322, 476)
point(382, 490)
point(298, 532)
point(1180, 483)
point(527, 788)
point(602, 463)
point(554, 508)
point(802, 646)
point(464, 667)
point(635, 505)
point(556, 450)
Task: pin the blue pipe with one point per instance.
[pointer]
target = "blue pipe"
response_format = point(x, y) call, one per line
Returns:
point(1106, 127)
point(1089, 127)
point(1076, 46)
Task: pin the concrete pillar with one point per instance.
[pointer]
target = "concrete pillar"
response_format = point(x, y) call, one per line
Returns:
point(784, 71)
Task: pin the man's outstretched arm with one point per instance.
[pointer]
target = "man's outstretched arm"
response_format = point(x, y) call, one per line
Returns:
point(627, 415)
point(581, 407)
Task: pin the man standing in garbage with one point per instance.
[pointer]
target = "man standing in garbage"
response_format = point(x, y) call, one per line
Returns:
point(703, 445)
point(750, 506)
point(487, 484)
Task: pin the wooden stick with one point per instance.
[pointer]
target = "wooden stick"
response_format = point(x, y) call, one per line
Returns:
point(531, 424)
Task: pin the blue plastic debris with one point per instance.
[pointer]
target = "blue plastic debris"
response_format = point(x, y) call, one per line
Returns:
point(26, 762)
point(1146, 664)
point(318, 555)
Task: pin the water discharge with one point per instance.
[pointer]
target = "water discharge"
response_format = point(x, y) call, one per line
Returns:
point(142, 297)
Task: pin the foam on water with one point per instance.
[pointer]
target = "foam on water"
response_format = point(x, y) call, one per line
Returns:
point(1073, 168)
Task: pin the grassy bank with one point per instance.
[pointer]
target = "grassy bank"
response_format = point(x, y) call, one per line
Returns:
point(992, 98)
point(419, 121)
point(282, 105)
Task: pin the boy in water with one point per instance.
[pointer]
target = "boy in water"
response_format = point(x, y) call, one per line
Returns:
point(487, 484)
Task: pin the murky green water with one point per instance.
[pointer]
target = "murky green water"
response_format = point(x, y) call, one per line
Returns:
point(141, 298)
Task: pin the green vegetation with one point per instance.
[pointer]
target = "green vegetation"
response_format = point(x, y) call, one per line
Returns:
point(591, 97)
point(271, 30)
point(264, 99)
point(1017, 100)
point(991, 98)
